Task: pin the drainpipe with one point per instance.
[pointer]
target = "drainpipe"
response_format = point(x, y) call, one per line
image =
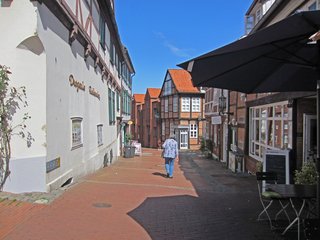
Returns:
point(228, 127)
point(318, 134)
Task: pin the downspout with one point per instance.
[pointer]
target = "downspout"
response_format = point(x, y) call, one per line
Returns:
point(318, 132)
point(228, 127)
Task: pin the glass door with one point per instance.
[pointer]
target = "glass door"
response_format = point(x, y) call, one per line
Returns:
point(309, 137)
point(183, 139)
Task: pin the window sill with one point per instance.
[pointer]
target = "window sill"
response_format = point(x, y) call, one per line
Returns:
point(77, 146)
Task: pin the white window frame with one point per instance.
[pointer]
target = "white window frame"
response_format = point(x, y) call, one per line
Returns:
point(193, 129)
point(258, 15)
point(166, 105)
point(262, 136)
point(76, 132)
point(99, 134)
point(185, 104)
point(167, 87)
point(233, 144)
point(196, 104)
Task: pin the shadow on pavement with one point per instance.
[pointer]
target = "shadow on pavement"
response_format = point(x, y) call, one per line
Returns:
point(160, 174)
point(226, 207)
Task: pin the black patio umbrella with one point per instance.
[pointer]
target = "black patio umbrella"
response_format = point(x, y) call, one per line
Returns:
point(278, 58)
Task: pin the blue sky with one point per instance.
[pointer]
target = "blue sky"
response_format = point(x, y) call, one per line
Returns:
point(160, 34)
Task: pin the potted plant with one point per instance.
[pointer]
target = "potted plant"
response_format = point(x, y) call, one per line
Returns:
point(307, 175)
point(127, 139)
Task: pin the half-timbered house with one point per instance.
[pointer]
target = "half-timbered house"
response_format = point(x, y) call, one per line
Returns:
point(181, 109)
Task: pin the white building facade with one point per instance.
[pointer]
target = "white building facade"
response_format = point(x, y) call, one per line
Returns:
point(69, 56)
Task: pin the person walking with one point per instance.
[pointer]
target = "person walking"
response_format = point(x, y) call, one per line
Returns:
point(170, 153)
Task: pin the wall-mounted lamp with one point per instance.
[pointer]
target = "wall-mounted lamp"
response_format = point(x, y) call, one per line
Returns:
point(243, 97)
point(222, 106)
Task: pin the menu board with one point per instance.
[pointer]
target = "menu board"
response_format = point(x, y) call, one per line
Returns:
point(277, 161)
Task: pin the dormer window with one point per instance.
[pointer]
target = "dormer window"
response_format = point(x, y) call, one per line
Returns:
point(249, 23)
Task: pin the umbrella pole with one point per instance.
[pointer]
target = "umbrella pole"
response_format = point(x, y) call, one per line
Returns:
point(318, 148)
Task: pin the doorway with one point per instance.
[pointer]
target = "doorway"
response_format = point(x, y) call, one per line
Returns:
point(309, 137)
point(183, 139)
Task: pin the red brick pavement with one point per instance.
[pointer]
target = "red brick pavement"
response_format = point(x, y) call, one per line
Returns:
point(133, 200)
point(13, 213)
point(97, 208)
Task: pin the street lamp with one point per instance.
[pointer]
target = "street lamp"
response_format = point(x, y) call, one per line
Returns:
point(222, 106)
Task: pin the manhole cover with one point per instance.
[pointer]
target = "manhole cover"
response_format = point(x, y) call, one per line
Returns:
point(102, 205)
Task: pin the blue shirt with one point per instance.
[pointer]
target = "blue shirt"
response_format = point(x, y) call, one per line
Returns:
point(170, 148)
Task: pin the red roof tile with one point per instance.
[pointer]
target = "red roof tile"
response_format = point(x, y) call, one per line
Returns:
point(139, 98)
point(154, 92)
point(182, 81)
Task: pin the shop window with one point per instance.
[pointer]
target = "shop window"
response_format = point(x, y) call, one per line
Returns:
point(270, 128)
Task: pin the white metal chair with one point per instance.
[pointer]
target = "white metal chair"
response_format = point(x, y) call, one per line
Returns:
point(267, 198)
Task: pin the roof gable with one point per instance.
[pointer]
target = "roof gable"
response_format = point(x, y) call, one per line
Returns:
point(139, 98)
point(182, 81)
point(153, 92)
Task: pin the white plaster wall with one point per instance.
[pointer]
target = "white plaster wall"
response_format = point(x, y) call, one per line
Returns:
point(22, 51)
point(65, 102)
point(27, 175)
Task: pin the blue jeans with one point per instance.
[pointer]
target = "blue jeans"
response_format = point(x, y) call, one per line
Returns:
point(169, 162)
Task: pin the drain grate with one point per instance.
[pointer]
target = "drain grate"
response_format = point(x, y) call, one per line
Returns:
point(102, 205)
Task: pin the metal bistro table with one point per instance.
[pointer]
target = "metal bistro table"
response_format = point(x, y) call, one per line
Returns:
point(294, 192)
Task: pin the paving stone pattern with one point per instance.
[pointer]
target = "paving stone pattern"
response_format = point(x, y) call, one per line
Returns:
point(132, 199)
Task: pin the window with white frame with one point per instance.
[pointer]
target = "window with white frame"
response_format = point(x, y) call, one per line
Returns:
point(166, 104)
point(195, 104)
point(99, 134)
point(233, 144)
point(95, 14)
point(193, 131)
point(175, 103)
point(270, 127)
point(249, 23)
point(167, 87)
point(102, 31)
point(76, 125)
point(258, 15)
point(185, 106)
point(111, 106)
